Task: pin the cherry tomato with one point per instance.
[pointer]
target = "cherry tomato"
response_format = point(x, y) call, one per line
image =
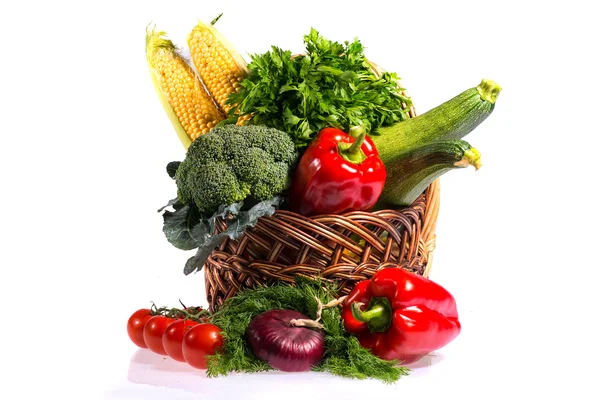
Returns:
point(135, 326)
point(172, 339)
point(153, 332)
point(200, 341)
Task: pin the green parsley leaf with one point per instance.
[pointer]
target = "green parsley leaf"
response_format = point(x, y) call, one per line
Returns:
point(331, 84)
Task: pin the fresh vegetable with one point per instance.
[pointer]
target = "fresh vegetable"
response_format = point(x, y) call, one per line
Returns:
point(162, 330)
point(199, 342)
point(186, 229)
point(410, 175)
point(332, 84)
point(135, 326)
point(400, 315)
point(172, 338)
point(453, 119)
point(219, 65)
point(336, 174)
point(344, 356)
point(232, 163)
point(283, 339)
point(153, 333)
point(411, 154)
point(189, 106)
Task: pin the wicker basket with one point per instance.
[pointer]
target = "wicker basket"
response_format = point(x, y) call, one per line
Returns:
point(342, 248)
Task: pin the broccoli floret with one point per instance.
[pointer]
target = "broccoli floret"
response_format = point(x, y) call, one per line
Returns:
point(232, 163)
point(277, 145)
point(211, 149)
point(274, 179)
point(251, 164)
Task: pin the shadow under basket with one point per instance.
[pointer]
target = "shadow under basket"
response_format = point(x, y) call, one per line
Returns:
point(344, 248)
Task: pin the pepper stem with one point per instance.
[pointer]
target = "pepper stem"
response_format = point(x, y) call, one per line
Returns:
point(356, 131)
point(378, 314)
point(352, 151)
point(367, 315)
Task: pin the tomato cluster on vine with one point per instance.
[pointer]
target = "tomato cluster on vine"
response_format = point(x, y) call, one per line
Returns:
point(185, 335)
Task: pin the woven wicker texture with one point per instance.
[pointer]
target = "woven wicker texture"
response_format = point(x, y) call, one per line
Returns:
point(342, 248)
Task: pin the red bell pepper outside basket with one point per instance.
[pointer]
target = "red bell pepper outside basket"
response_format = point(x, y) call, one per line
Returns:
point(400, 315)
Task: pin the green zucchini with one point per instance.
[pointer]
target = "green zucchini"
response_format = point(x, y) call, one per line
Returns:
point(416, 169)
point(453, 119)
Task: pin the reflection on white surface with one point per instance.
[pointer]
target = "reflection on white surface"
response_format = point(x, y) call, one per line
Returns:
point(148, 368)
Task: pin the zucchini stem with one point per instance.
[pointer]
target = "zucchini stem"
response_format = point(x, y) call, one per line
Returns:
point(489, 90)
point(471, 157)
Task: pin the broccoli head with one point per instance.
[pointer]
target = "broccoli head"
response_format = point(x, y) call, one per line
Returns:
point(232, 163)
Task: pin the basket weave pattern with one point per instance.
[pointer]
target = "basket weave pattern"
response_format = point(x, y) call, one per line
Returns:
point(342, 248)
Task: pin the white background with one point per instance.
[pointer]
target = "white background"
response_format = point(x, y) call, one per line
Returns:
point(83, 148)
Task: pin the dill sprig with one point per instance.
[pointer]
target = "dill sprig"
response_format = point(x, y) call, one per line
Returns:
point(344, 356)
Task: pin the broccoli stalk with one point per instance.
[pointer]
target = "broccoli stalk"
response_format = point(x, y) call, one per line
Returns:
point(232, 163)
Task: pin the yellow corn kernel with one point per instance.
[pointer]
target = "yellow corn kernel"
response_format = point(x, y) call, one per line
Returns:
point(190, 107)
point(243, 119)
point(219, 65)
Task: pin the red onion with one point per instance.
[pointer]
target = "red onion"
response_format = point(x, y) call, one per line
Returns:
point(287, 340)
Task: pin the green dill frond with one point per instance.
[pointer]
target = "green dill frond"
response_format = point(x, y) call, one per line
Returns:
point(344, 355)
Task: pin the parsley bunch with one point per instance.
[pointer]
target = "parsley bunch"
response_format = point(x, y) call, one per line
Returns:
point(332, 84)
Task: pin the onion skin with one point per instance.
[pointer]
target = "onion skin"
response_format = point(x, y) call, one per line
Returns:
point(283, 346)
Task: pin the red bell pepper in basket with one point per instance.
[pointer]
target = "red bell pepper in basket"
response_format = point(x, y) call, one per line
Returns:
point(400, 315)
point(339, 172)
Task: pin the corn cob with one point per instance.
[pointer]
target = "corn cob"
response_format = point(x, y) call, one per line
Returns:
point(219, 65)
point(189, 106)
